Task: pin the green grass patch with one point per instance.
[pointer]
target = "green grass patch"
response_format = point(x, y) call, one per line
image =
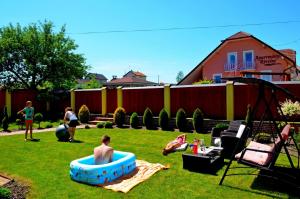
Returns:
point(44, 166)
point(13, 126)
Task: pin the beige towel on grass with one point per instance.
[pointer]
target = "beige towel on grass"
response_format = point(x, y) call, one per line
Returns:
point(143, 171)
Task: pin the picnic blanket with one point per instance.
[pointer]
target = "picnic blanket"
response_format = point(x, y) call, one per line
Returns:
point(143, 171)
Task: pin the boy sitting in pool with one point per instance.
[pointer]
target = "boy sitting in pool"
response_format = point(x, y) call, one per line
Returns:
point(171, 146)
point(103, 153)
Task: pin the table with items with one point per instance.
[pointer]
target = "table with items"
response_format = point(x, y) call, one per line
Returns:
point(207, 159)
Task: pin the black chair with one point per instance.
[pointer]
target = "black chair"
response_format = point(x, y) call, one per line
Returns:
point(232, 129)
point(229, 139)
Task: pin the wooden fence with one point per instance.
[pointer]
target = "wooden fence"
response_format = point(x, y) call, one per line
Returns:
point(216, 101)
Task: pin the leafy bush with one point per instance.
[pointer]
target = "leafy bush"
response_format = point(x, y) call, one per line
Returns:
point(38, 117)
point(181, 121)
point(205, 81)
point(198, 120)
point(263, 137)
point(108, 125)
point(134, 120)
point(5, 193)
point(5, 122)
point(297, 138)
point(84, 114)
point(290, 108)
point(148, 119)
point(87, 126)
point(20, 123)
point(222, 126)
point(100, 125)
point(163, 119)
point(48, 125)
point(119, 116)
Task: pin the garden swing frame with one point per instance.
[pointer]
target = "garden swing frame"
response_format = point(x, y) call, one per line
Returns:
point(267, 115)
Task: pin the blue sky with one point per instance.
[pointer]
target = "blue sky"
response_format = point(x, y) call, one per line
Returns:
point(158, 53)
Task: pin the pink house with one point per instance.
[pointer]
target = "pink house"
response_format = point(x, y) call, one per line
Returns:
point(243, 54)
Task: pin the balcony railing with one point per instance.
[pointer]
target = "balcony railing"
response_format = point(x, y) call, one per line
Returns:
point(230, 67)
point(239, 66)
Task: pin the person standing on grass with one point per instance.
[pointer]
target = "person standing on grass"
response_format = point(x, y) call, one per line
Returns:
point(73, 122)
point(28, 113)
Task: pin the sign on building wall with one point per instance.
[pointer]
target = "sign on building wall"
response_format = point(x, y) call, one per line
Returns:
point(268, 60)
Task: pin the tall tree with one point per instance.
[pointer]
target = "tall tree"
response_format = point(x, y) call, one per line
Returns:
point(92, 83)
point(179, 76)
point(35, 56)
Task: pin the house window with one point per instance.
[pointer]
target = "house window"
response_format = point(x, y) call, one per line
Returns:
point(217, 78)
point(248, 58)
point(232, 58)
point(266, 77)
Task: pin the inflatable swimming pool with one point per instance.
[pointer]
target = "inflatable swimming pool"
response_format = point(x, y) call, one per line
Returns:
point(84, 170)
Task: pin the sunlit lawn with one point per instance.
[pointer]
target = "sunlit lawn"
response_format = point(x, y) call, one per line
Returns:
point(13, 126)
point(44, 166)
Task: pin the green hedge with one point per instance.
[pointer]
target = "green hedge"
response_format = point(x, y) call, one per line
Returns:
point(181, 121)
point(148, 119)
point(5, 193)
point(84, 114)
point(198, 120)
point(163, 119)
point(119, 116)
point(100, 125)
point(134, 120)
point(108, 125)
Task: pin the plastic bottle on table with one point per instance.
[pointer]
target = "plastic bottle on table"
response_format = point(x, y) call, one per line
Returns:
point(195, 147)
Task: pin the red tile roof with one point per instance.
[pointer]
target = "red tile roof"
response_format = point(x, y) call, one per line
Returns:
point(289, 53)
point(239, 35)
point(129, 80)
point(137, 73)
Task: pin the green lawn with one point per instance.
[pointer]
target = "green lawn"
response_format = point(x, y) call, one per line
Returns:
point(44, 166)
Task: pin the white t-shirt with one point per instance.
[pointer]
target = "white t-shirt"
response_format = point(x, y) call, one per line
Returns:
point(71, 115)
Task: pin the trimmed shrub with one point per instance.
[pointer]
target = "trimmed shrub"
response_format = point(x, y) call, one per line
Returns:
point(119, 116)
point(84, 114)
point(181, 121)
point(263, 137)
point(20, 123)
point(222, 126)
point(38, 117)
point(148, 119)
point(108, 125)
point(205, 81)
point(198, 120)
point(48, 125)
point(100, 125)
point(163, 119)
point(5, 193)
point(134, 120)
point(5, 122)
